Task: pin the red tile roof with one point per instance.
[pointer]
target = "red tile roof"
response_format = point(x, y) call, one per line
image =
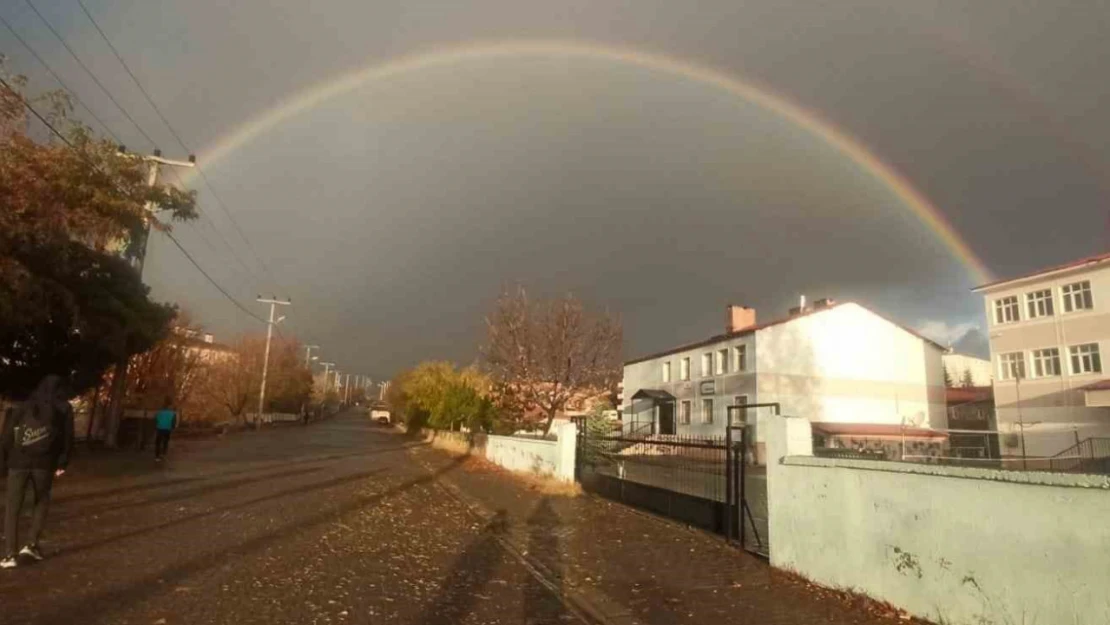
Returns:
point(1097, 258)
point(966, 395)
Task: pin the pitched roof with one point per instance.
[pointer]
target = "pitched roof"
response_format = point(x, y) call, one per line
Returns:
point(1089, 260)
point(749, 330)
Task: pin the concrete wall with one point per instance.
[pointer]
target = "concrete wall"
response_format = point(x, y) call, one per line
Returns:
point(546, 458)
point(1051, 407)
point(954, 545)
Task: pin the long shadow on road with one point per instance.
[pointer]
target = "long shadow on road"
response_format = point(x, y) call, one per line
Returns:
point(108, 602)
point(164, 483)
point(69, 551)
point(472, 571)
point(188, 493)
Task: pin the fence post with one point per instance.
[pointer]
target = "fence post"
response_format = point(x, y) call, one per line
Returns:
point(566, 462)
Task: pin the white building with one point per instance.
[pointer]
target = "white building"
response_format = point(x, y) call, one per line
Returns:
point(835, 363)
point(960, 366)
point(1048, 331)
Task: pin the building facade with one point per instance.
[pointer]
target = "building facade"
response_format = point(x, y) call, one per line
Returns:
point(838, 363)
point(1049, 333)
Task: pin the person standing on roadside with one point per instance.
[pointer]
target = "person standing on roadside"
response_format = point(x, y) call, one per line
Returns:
point(165, 422)
point(35, 445)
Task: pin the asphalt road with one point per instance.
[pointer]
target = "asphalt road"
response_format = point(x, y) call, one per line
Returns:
point(330, 523)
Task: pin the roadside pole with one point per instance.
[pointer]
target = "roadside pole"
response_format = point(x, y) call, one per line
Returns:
point(119, 375)
point(274, 303)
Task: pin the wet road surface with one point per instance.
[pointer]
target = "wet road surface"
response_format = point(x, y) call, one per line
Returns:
point(330, 523)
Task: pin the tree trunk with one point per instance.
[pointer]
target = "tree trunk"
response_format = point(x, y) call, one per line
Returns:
point(115, 403)
point(550, 418)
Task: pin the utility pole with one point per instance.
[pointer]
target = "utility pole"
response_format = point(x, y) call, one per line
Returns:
point(347, 390)
point(274, 303)
point(308, 353)
point(119, 376)
point(324, 386)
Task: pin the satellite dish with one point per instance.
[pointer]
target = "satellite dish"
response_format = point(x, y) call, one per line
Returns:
point(916, 419)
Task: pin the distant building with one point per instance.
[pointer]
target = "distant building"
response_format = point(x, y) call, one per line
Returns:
point(1048, 332)
point(832, 363)
point(204, 344)
point(960, 367)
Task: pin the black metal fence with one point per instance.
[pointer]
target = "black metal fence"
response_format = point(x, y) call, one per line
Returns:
point(1091, 455)
point(694, 480)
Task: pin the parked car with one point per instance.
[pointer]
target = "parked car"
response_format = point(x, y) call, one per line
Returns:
point(380, 416)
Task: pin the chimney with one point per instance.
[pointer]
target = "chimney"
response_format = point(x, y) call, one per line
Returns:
point(739, 318)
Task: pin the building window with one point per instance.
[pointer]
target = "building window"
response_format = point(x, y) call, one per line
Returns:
point(1077, 296)
point(707, 411)
point(1011, 365)
point(667, 371)
point(740, 416)
point(1039, 303)
point(684, 413)
point(706, 364)
point(1006, 309)
point(740, 352)
point(722, 361)
point(684, 369)
point(1046, 362)
point(1085, 359)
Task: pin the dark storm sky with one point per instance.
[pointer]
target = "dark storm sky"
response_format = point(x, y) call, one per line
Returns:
point(393, 214)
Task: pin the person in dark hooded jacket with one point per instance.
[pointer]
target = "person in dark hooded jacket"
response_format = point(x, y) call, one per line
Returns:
point(35, 446)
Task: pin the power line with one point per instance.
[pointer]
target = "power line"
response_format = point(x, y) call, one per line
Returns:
point(220, 234)
point(90, 73)
point(94, 166)
point(180, 141)
point(58, 78)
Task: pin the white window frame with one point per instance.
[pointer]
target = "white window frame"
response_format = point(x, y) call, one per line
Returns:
point(707, 415)
point(1068, 298)
point(707, 364)
point(684, 412)
point(667, 371)
point(720, 361)
point(1006, 365)
point(740, 400)
point(740, 356)
point(684, 369)
point(1004, 305)
point(1092, 356)
point(1040, 303)
point(1039, 358)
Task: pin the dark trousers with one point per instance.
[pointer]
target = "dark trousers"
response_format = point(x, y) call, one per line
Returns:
point(41, 481)
point(161, 442)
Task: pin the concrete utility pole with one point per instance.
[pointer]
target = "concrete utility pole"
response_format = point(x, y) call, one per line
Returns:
point(119, 376)
point(308, 353)
point(347, 390)
point(324, 387)
point(274, 303)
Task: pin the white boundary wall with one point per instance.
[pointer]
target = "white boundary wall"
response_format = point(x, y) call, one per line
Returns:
point(546, 458)
point(954, 545)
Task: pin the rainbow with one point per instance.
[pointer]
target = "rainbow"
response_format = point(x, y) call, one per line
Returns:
point(758, 95)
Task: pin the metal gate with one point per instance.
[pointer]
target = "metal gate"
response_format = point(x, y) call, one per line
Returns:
point(703, 482)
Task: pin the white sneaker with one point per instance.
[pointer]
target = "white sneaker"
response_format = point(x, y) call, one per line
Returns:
point(8, 563)
point(31, 551)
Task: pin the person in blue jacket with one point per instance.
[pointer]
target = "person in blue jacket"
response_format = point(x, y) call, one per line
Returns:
point(165, 422)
